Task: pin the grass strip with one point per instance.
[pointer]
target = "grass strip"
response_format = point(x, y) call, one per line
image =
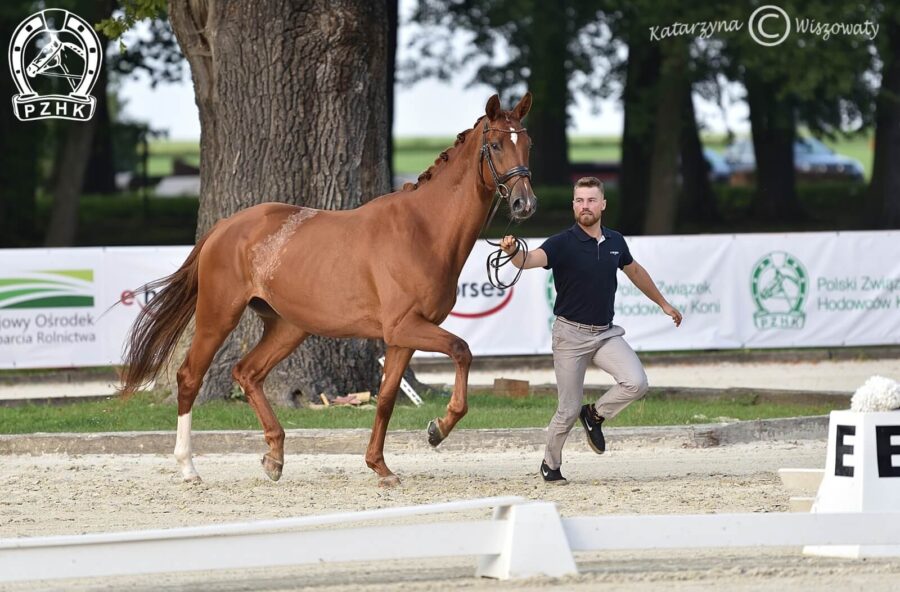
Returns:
point(148, 412)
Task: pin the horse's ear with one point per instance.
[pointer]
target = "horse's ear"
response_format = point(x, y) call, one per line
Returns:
point(524, 106)
point(492, 109)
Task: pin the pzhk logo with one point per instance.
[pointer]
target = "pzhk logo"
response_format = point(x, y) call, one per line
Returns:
point(779, 285)
point(70, 52)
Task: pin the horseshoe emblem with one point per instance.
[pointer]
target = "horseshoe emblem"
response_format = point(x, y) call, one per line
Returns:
point(71, 52)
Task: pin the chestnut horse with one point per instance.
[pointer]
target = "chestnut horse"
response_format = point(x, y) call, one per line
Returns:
point(386, 270)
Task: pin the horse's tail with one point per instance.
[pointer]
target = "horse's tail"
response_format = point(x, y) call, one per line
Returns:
point(161, 322)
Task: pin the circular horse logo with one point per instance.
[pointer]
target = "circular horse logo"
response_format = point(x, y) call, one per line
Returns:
point(779, 285)
point(51, 44)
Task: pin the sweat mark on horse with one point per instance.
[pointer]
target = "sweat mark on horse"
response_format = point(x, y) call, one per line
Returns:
point(386, 270)
point(267, 254)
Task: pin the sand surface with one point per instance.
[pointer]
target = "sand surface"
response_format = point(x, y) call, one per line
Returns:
point(59, 494)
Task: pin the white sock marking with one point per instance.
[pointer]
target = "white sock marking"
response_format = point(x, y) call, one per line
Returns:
point(183, 452)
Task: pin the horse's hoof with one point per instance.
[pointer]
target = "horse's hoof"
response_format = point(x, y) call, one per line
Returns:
point(272, 467)
point(389, 481)
point(193, 479)
point(435, 436)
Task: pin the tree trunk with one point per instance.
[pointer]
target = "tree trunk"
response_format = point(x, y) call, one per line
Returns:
point(699, 201)
point(548, 83)
point(101, 170)
point(883, 203)
point(292, 108)
point(773, 125)
point(70, 168)
point(393, 9)
point(68, 182)
point(662, 206)
point(638, 132)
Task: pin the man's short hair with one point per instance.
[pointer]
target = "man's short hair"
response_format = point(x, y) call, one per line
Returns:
point(590, 182)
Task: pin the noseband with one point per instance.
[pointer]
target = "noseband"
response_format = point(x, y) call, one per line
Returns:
point(500, 185)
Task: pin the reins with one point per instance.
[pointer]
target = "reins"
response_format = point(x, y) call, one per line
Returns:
point(499, 258)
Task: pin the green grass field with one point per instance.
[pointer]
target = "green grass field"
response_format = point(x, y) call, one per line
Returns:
point(147, 411)
point(414, 155)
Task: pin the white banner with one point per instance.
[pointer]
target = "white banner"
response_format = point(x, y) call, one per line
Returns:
point(736, 291)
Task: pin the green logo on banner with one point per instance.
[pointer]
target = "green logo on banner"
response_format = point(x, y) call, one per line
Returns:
point(779, 285)
point(48, 289)
point(551, 297)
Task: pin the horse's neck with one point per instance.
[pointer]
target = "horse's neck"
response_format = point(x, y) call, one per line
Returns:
point(458, 205)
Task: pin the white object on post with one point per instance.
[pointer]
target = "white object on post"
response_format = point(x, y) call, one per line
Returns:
point(862, 474)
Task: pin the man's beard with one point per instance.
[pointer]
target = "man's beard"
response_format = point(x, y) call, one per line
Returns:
point(590, 221)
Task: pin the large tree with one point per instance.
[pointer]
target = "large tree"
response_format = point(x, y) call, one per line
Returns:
point(292, 101)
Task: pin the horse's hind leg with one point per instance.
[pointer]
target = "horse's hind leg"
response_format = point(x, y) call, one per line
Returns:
point(213, 323)
point(279, 339)
point(395, 362)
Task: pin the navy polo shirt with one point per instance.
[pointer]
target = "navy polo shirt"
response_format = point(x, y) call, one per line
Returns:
point(584, 271)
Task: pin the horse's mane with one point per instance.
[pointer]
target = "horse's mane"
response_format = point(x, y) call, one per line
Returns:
point(441, 160)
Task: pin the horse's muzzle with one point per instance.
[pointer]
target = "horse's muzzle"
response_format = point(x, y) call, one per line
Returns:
point(522, 201)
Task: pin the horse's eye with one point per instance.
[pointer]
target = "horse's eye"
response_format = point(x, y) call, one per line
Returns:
point(495, 146)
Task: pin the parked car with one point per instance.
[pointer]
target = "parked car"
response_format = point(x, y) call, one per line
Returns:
point(812, 160)
point(719, 169)
point(608, 172)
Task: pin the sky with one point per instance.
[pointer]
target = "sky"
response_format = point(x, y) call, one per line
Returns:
point(172, 106)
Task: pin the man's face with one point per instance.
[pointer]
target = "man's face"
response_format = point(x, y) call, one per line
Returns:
point(587, 205)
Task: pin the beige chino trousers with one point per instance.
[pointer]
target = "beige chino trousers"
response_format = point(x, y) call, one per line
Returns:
point(573, 349)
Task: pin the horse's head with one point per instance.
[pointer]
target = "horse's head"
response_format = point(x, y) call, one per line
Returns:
point(42, 60)
point(504, 147)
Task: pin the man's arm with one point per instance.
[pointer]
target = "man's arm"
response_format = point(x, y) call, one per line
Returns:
point(535, 258)
point(640, 278)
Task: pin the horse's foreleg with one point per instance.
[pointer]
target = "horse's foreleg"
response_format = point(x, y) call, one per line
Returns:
point(419, 334)
point(395, 361)
point(279, 339)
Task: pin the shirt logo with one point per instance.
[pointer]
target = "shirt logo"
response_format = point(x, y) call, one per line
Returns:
point(613, 252)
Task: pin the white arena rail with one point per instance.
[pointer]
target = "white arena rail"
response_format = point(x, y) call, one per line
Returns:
point(523, 539)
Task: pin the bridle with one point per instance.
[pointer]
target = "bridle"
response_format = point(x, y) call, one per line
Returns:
point(499, 182)
point(502, 191)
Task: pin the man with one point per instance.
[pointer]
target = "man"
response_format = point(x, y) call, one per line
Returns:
point(584, 260)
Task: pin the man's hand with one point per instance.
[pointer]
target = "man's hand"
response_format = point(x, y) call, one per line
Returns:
point(672, 312)
point(508, 244)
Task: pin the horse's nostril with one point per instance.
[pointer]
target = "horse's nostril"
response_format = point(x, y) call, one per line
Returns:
point(518, 205)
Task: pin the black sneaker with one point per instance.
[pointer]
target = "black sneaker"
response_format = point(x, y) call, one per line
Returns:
point(553, 476)
point(592, 422)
